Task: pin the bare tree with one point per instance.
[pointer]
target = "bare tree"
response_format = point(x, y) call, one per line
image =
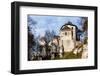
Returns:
point(85, 29)
point(31, 42)
point(32, 24)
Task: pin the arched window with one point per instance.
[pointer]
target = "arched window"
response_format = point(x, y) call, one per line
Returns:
point(72, 32)
point(65, 33)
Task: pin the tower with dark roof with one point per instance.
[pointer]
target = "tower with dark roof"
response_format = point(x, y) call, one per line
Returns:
point(68, 36)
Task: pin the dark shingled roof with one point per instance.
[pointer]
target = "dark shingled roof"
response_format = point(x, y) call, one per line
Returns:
point(65, 26)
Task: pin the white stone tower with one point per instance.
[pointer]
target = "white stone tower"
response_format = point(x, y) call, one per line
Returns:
point(68, 37)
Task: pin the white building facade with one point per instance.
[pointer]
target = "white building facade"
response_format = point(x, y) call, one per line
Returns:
point(68, 37)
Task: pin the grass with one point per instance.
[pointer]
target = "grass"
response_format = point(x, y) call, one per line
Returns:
point(70, 55)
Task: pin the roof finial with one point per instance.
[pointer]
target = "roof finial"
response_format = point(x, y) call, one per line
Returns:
point(69, 23)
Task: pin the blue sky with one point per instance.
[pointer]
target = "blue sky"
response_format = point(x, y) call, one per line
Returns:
point(43, 23)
